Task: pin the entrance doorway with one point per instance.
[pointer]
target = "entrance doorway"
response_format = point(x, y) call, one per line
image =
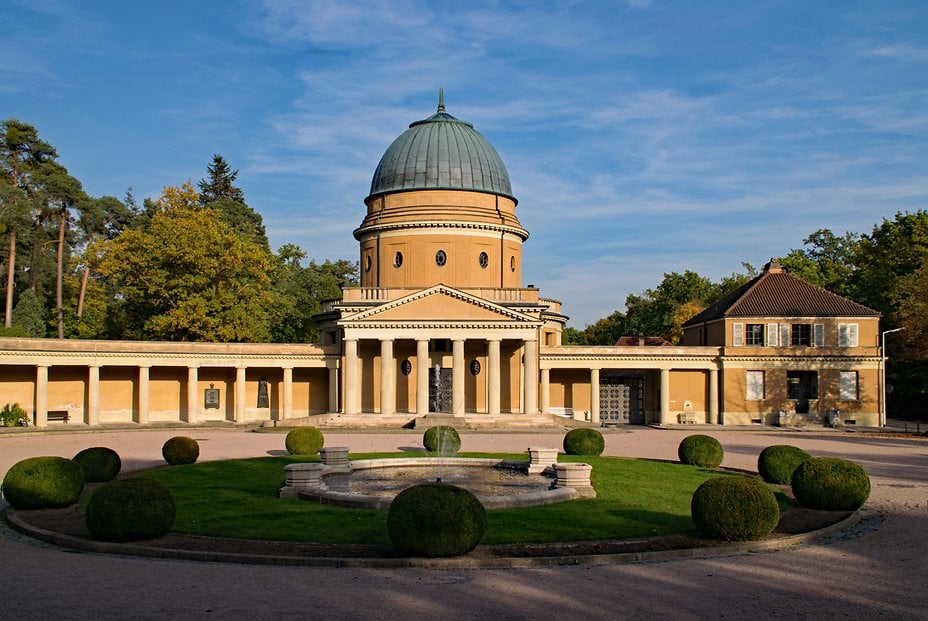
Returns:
point(621, 398)
point(802, 386)
point(440, 389)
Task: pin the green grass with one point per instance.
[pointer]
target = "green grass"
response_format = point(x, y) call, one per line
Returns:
point(238, 498)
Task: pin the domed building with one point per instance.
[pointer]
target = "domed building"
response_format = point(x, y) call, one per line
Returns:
point(442, 327)
point(441, 322)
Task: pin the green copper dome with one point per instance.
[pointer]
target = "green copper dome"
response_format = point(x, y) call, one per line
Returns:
point(441, 153)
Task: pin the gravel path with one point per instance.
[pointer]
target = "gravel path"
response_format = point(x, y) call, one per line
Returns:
point(879, 569)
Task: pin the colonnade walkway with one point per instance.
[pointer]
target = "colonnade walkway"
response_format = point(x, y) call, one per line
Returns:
point(876, 569)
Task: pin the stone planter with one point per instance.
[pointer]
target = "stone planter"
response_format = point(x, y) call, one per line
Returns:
point(541, 460)
point(335, 457)
point(575, 476)
point(301, 476)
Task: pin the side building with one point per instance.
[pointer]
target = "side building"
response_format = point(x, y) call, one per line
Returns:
point(442, 326)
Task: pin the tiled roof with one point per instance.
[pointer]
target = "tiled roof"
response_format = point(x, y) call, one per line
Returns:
point(775, 293)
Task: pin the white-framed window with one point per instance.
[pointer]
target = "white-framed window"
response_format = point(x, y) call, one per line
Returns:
point(754, 386)
point(737, 334)
point(800, 335)
point(754, 334)
point(849, 386)
point(847, 335)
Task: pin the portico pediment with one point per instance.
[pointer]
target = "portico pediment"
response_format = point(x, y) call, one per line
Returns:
point(440, 304)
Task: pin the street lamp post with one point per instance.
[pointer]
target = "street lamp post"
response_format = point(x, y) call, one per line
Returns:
point(883, 373)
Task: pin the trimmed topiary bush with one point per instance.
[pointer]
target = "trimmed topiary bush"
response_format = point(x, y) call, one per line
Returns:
point(735, 508)
point(831, 483)
point(99, 464)
point(130, 510)
point(436, 520)
point(443, 439)
point(777, 463)
point(584, 441)
point(43, 482)
point(700, 450)
point(304, 441)
point(180, 450)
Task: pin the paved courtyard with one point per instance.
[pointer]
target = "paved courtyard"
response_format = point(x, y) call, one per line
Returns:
point(878, 569)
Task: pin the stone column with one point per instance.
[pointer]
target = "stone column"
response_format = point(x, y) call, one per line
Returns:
point(240, 395)
point(422, 377)
point(531, 377)
point(41, 395)
point(93, 395)
point(714, 396)
point(193, 394)
point(546, 391)
point(287, 411)
point(665, 397)
point(387, 378)
point(493, 377)
point(457, 377)
point(352, 386)
point(333, 390)
point(594, 396)
point(144, 395)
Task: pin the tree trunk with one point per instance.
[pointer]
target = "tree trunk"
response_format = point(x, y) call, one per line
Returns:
point(10, 279)
point(84, 278)
point(59, 302)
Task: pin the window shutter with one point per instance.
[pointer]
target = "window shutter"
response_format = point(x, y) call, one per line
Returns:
point(737, 334)
point(848, 386)
point(784, 334)
point(847, 335)
point(771, 335)
point(754, 386)
point(818, 335)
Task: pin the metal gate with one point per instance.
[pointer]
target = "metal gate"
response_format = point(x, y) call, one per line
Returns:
point(613, 402)
point(440, 389)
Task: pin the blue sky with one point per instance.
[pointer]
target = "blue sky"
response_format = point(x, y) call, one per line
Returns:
point(641, 137)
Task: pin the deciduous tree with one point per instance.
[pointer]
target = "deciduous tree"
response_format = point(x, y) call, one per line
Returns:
point(188, 276)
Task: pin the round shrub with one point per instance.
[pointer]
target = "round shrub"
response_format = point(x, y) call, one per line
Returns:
point(584, 441)
point(441, 439)
point(180, 450)
point(436, 520)
point(777, 463)
point(735, 508)
point(99, 464)
point(43, 482)
point(700, 450)
point(129, 510)
point(830, 483)
point(304, 441)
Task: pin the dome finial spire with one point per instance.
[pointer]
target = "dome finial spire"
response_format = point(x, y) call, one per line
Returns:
point(441, 99)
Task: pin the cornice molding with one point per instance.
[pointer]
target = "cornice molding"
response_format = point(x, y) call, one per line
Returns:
point(440, 224)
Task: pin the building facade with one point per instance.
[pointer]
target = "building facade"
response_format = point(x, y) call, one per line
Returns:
point(441, 325)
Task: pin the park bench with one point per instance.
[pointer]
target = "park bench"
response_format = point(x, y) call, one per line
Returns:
point(62, 415)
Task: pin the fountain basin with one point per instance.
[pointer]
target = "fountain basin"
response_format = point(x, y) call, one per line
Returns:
point(373, 483)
